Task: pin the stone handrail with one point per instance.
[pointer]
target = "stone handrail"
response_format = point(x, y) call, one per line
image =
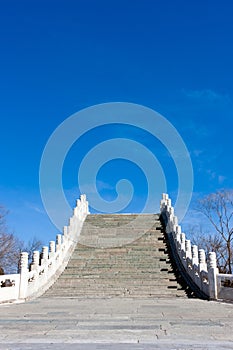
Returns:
point(47, 265)
point(201, 274)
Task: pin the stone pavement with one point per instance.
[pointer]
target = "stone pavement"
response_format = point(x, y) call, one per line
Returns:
point(116, 323)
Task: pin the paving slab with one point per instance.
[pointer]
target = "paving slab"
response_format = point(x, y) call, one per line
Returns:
point(116, 323)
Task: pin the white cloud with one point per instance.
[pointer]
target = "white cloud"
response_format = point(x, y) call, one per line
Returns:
point(212, 174)
point(207, 95)
point(197, 152)
point(221, 179)
point(35, 208)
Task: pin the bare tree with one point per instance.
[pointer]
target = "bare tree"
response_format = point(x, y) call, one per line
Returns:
point(210, 242)
point(218, 208)
point(9, 247)
point(31, 246)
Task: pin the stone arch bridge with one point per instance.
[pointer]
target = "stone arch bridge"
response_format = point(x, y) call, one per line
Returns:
point(110, 281)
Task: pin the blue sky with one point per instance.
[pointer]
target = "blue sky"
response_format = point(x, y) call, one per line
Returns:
point(58, 57)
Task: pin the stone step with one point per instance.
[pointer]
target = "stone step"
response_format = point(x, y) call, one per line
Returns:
point(133, 251)
point(139, 268)
point(121, 294)
point(113, 263)
point(126, 254)
point(154, 257)
point(123, 242)
point(144, 288)
point(118, 264)
point(112, 278)
point(104, 286)
point(142, 268)
point(124, 292)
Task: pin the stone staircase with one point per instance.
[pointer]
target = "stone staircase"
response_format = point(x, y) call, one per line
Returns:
point(119, 256)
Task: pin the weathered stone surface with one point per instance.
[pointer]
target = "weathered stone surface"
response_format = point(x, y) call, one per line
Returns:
point(116, 323)
point(140, 268)
point(117, 298)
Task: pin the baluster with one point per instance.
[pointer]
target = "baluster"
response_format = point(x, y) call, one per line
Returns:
point(202, 260)
point(59, 241)
point(35, 260)
point(23, 287)
point(51, 249)
point(188, 250)
point(194, 255)
point(44, 255)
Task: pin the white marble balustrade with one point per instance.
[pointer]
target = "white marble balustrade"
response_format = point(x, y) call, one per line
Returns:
point(203, 273)
point(46, 265)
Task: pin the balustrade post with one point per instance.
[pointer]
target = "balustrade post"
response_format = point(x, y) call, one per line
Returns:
point(178, 233)
point(202, 261)
point(195, 255)
point(71, 222)
point(65, 231)
point(23, 275)
point(35, 260)
point(195, 262)
point(44, 255)
point(59, 241)
point(163, 201)
point(175, 221)
point(44, 263)
point(169, 202)
point(182, 241)
point(212, 276)
point(71, 231)
point(75, 225)
point(78, 204)
point(171, 213)
point(51, 249)
point(76, 212)
point(188, 250)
